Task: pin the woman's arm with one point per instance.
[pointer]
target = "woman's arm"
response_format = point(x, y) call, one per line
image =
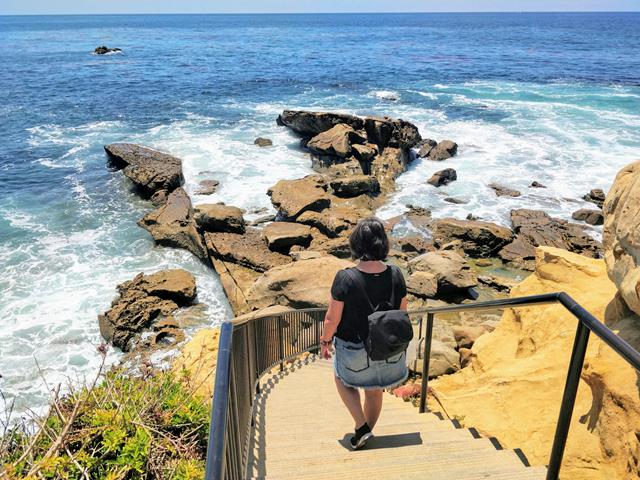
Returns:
point(331, 321)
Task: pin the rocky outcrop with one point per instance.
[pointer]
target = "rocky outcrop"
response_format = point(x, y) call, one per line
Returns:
point(502, 191)
point(388, 132)
point(173, 224)
point(452, 272)
point(443, 150)
point(536, 228)
point(281, 236)
point(309, 124)
point(443, 177)
point(354, 186)
point(513, 387)
point(263, 142)
point(302, 284)
point(596, 196)
point(425, 146)
point(293, 197)
point(388, 166)
point(144, 300)
point(590, 216)
point(478, 239)
point(219, 218)
point(150, 170)
point(248, 249)
point(621, 236)
point(335, 141)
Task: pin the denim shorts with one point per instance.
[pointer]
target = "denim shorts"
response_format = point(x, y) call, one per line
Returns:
point(355, 369)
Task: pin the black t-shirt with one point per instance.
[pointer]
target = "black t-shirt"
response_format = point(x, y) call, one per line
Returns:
point(354, 326)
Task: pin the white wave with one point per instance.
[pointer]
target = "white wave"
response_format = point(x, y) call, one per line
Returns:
point(388, 95)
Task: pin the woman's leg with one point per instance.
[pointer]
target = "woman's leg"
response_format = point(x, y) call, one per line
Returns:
point(351, 399)
point(372, 406)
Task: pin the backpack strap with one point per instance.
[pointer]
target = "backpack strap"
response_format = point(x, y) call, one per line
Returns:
point(357, 279)
point(395, 280)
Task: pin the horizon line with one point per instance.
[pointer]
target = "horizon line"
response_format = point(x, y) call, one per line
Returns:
point(315, 13)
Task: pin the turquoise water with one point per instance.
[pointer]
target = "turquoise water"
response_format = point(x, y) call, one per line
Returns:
point(547, 97)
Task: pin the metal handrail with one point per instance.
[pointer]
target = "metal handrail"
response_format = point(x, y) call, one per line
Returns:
point(237, 376)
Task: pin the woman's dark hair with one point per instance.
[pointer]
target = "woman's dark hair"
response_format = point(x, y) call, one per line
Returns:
point(369, 241)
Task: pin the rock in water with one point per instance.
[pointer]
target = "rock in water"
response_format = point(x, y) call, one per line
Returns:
point(309, 124)
point(592, 217)
point(443, 150)
point(173, 224)
point(479, 239)
point(389, 132)
point(263, 142)
point(596, 196)
point(219, 218)
point(293, 197)
point(536, 228)
point(425, 146)
point(207, 187)
point(450, 269)
point(621, 236)
point(504, 191)
point(103, 50)
point(142, 300)
point(150, 170)
point(536, 184)
point(336, 141)
point(443, 177)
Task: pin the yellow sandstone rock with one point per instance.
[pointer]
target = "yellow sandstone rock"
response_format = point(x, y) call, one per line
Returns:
point(514, 386)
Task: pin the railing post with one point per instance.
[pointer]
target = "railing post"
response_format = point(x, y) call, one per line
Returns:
point(425, 363)
point(281, 345)
point(568, 401)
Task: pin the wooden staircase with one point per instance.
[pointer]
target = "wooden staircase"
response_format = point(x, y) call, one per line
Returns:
point(302, 430)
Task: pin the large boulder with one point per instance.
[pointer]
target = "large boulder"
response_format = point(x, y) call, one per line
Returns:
point(442, 360)
point(355, 185)
point(173, 224)
point(425, 146)
point(150, 170)
point(443, 150)
point(281, 236)
point(452, 272)
point(303, 284)
point(142, 301)
point(309, 124)
point(248, 250)
point(513, 389)
point(293, 197)
point(502, 191)
point(422, 284)
point(589, 215)
point(335, 141)
point(443, 177)
point(536, 228)
point(388, 132)
point(387, 166)
point(219, 218)
point(621, 237)
point(596, 196)
point(479, 239)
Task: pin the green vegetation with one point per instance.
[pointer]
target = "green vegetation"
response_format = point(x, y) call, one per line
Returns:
point(148, 426)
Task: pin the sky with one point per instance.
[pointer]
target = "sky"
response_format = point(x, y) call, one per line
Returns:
point(34, 7)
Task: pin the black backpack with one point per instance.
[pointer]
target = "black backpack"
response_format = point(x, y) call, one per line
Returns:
point(390, 330)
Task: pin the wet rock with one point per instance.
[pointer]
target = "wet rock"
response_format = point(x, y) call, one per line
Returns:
point(354, 186)
point(422, 284)
point(456, 201)
point(248, 250)
point(142, 301)
point(293, 197)
point(596, 196)
point(335, 141)
point(150, 170)
point(219, 218)
point(389, 132)
point(443, 150)
point(281, 236)
point(103, 50)
point(450, 269)
point(592, 217)
point(425, 146)
point(309, 124)
point(263, 142)
point(443, 177)
point(479, 239)
point(207, 187)
point(262, 219)
point(173, 224)
point(502, 191)
point(536, 184)
point(535, 228)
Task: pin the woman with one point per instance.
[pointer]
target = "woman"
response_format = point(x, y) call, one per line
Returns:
point(346, 326)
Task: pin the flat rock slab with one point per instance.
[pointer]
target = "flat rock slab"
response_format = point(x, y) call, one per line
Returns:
point(479, 239)
point(281, 236)
point(150, 170)
point(293, 197)
point(219, 218)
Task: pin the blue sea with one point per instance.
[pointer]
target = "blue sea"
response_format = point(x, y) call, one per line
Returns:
point(547, 97)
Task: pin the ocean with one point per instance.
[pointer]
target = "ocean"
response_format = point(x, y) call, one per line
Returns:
point(548, 97)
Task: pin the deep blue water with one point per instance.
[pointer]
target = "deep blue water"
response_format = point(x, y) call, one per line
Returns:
point(547, 97)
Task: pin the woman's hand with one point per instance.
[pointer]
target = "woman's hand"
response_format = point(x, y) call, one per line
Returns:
point(326, 350)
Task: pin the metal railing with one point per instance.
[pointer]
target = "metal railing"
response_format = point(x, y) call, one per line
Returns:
point(252, 347)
